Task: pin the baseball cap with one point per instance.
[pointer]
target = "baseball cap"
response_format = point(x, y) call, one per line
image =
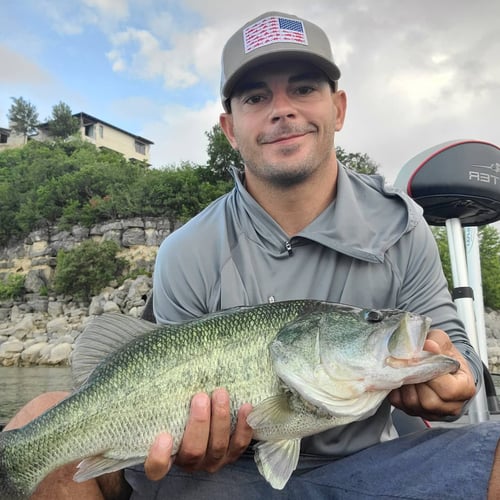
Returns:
point(271, 37)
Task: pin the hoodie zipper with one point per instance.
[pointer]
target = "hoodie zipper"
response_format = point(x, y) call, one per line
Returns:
point(288, 248)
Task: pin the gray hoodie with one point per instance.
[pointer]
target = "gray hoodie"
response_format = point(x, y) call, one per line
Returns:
point(370, 248)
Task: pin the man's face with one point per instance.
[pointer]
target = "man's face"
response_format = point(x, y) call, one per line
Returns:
point(283, 121)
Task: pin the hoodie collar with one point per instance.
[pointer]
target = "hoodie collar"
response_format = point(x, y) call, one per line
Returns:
point(366, 218)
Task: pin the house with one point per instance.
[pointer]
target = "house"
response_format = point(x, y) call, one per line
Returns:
point(94, 130)
point(10, 138)
point(105, 135)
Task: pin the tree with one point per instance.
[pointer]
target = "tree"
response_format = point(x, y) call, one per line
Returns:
point(359, 162)
point(221, 155)
point(62, 123)
point(489, 250)
point(23, 117)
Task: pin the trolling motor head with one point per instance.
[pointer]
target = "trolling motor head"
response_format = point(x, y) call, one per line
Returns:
point(456, 179)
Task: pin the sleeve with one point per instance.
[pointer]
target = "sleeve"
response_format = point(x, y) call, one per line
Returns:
point(424, 289)
point(181, 285)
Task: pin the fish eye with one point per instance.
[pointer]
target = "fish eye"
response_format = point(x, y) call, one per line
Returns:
point(373, 315)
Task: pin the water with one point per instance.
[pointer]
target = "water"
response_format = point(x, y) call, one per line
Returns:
point(20, 385)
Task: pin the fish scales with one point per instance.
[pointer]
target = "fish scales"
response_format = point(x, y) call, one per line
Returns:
point(202, 355)
point(145, 387)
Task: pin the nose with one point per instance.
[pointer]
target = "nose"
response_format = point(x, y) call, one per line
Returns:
point(282, 106)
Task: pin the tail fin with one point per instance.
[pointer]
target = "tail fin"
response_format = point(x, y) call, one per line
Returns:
point(12, 486)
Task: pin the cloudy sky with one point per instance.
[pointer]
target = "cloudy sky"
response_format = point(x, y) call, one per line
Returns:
point(416, 73)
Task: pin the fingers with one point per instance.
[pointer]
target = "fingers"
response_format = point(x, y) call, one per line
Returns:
point(207, 443)
point(195, 439)
point(220, 431)
point(442, 396)
point(240, 440)
point(422, 400)
point(159, 460)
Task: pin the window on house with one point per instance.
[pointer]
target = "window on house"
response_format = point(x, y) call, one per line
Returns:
point(90, 130)
point(140, 147)
point(3, 138)
point(101, 131)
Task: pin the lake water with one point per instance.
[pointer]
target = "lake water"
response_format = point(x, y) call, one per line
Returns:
point(20, 385)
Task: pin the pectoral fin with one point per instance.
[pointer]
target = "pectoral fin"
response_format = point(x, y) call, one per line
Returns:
point(276, 460)
point(272, 413)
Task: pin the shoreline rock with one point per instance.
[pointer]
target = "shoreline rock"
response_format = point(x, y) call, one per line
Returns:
point(33, 337)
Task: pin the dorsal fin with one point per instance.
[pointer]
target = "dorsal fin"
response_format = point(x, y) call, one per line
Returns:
point(104, 335)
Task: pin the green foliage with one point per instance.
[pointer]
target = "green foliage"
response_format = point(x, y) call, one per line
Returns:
point(221, 156)
point(85, 270)
point(178, 193)
point(62, 123)
point(489, 250)
point(12, 287)
point(23, 116)
point(359, 162)
point(72, 182)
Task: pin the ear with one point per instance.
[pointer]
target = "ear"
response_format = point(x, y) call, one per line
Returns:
point(226, 124)
point(340, 102)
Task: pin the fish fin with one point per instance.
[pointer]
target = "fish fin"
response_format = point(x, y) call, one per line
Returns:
point(96, 466)
point(276, 460)
point(273, 411)
point(104, 335)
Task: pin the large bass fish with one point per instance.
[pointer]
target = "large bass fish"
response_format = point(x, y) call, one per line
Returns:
point(305, 366)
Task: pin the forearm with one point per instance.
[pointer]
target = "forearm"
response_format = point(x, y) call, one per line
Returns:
point(114, 486)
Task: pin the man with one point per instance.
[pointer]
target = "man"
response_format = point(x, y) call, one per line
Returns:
point(300, 225)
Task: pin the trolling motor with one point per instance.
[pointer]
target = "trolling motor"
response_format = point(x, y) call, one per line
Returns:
point(457, 183)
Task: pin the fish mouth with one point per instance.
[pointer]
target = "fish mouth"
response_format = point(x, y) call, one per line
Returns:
point(407, 339)
point(405, 347)
point(423, 358)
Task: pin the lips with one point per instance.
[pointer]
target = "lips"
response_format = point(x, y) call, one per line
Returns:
point(283, 136)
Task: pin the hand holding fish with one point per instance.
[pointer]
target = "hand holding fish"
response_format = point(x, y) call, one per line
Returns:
point(207, 443)
point(442, 396)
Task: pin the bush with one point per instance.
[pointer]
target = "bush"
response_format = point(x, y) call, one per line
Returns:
point(83, 271)
point(489, 249)
point(12, 287)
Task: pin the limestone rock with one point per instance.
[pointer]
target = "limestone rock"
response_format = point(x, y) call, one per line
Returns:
point(32, 353)
point(111, 307)
point(60, 354)
point(58, 326)
point(24, 327)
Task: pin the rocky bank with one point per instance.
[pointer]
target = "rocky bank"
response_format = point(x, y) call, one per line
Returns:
point(42, 331)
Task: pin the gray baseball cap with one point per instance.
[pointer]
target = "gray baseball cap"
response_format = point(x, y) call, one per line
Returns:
point(274, 36)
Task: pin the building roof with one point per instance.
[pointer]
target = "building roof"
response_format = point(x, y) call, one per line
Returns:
point(89, 120)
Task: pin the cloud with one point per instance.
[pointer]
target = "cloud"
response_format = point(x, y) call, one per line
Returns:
point(116, 9)
point(72, 18)
point(180, 134)
point(181, 62)
point(20, 69)
point(140, 53)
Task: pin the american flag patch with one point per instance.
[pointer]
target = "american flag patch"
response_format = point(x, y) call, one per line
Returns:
point(272, 30)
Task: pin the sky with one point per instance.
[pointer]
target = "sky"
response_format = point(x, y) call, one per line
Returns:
point(416, 73)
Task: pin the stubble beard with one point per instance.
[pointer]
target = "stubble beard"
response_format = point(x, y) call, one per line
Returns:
point(284, 173)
